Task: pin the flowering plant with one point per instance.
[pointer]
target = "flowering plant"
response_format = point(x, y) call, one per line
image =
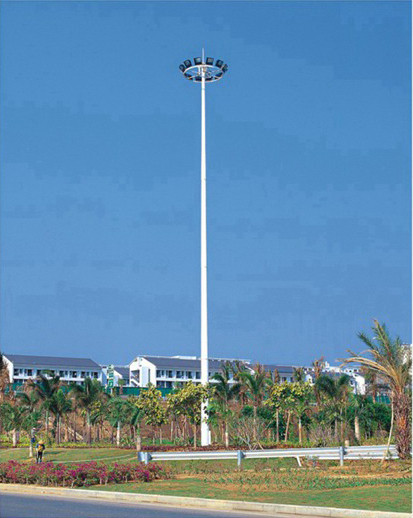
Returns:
point(81, 474)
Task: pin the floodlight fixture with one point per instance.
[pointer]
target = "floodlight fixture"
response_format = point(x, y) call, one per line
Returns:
point(203, 71)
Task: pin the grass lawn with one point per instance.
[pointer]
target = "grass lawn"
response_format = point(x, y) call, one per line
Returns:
point(71, 455)
point(376, 498)
point(358, 485)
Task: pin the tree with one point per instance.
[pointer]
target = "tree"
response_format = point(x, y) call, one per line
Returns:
point(299, 374)
point(29, 401)
point(86, 395)
point(150, 403)
point(60, 406)
point(117, 415)
point(12, 420)
point(392, 361)
point(254, 385)
point(4, 377)
point(45, 388)
point(187, 402)
point(336, 392)
point(224, 391)
point(318, 366)
point(291, 398)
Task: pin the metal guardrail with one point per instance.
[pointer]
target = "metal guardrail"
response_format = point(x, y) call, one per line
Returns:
point(334, 453)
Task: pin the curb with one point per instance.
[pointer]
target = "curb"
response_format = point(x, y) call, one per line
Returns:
point(201, 503)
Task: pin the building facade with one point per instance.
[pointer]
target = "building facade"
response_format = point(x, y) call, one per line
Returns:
point(23, 367)
point(169, 371)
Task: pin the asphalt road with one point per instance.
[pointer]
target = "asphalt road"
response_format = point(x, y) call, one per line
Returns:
point(46, 506)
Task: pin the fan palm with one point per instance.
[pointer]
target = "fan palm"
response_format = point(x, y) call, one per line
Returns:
point(392, 361)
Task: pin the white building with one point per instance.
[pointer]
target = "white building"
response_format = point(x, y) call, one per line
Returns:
point(23, 367)
point(120, 374)
point(357, 380)
point(166, 371)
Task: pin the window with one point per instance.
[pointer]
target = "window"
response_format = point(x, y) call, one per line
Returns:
point(73, 374)
point(29, 372)
point(160, 373)
point(16, 372)
point(168, 384)
point(189, 374)
point(283, 378)
point(169, 374)
point(83, 374)
point(197, 375)
point(61, 374)
point(95, 375)
point(179, 374)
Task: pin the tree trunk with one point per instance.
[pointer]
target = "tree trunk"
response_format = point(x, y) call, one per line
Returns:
point(194, 428)
point(386, 453)
point(357, 427)
point(287, 426)
point(226, 435)
point(300, 431)
point(277, 424)
point(402, 417)
point(138, 441)
point(47, 423)
point(15, 438)
point(255, 424)
point(118, 434)
point(89, 427)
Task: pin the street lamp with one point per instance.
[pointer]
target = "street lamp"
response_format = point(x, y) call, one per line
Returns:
point(203, 71)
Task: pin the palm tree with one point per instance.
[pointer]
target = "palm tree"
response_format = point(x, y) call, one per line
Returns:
point(391, 361)
point(254, 385)
point(4, 377)
point(225, 390)
point(117, 415)
point(85, 395)
point(60, 406)
point(45, 388)
point(299, 374)
point(29, 401)
point(318, 366)
point(337, 391)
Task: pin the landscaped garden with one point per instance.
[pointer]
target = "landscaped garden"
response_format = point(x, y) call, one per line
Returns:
point(368, 484)
point(92, 437)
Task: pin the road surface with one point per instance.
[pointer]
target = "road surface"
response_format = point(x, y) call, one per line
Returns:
point(48, 506)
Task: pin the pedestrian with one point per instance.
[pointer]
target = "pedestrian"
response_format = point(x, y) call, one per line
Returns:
point(39, 451)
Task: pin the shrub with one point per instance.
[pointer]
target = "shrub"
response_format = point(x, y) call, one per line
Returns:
point(77, 475)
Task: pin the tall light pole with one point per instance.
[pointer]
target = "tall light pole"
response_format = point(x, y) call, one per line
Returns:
point(203, 71)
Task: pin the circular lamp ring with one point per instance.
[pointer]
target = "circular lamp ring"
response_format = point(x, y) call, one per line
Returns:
point(211, 73)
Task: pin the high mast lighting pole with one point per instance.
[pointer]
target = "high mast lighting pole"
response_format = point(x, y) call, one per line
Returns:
point(203, 71)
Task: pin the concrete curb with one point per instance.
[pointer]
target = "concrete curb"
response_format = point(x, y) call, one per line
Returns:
point(201, 503)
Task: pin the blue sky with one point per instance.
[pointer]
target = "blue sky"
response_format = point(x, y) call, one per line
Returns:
point(308, 140)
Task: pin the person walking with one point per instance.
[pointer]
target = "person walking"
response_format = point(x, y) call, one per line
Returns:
point(40, 447)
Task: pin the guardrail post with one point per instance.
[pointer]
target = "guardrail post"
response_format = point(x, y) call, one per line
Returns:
point(144, 456)
point(240, 456)
point(341, 452)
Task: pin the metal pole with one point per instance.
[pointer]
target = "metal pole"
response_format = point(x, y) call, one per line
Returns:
point(205, 432)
